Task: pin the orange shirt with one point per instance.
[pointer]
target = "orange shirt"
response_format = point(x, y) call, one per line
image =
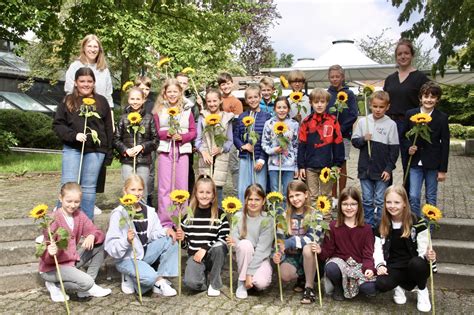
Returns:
point(232, 104)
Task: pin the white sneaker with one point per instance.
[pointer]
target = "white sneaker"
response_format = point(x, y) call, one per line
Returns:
point(55, 292)
point(328, 286)
point(39, 239)
point(163, 287)
point(399, 295)
point(127, 285)
point(423, 300)
point(95, 291)
point(213, 292)
point(97, 211)
point(241, 291)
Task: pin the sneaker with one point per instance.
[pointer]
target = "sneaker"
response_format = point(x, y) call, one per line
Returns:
point(55, 292)
point(127, 285)
point(163, 287)
point(399, 296)
point(213, 292)
point(423, 300)
point(39, 239)
point(299, 285)
point(328, 286)
point(97, 211)
point(95, 291)
point(338, 294)
point(241, 291)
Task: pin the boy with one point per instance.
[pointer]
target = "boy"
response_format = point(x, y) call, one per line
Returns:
point(429, 161)
point(346, 118)
point(297, 80)
point(320, 145)
point(379, 132)
point(144, 84)
point(267, 88)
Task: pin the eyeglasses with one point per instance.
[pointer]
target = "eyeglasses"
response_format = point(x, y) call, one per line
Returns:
point(297, 81)
point(349, 205)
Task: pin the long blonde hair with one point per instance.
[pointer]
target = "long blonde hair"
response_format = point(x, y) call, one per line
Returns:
point(300, 186)
point(161, 101)
point(254, 188)
point(100, 62)
point(407, 217)
point(194, 203)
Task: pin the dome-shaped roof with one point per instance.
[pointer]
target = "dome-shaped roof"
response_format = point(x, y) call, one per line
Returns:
point(344, 53)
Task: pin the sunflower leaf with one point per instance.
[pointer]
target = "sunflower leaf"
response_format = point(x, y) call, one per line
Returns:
point(122, 222)
point(40, 249)
point(175, 220)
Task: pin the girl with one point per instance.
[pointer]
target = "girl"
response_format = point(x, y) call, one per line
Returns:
point(297, 80)
point(212, 155)
point(145, 142)
point(253, 240)
point(69, 126)
point(91, 252)
point(295, 255)
point(274, 150)
point(401, 250)
point(204, 235)
point(247, 169)
point(349, 248)
point(173, 158)
point(151, 241)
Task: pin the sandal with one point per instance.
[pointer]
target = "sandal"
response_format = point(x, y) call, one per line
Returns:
point(309, 296)
point(299, 285)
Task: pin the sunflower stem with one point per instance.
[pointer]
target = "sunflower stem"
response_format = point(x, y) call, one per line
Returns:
point(82, 152)
point(135, 156)
point(230, 273)
point(195, 91)
point(319, 280)
point(137, 274)
point(254, 172)
point(276, 250)
point(279, 174)
point(173, 172)
point(63, 290)
point(179, 253)
point(409, 161)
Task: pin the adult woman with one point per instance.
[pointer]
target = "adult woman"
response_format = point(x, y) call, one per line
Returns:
point(69, 126)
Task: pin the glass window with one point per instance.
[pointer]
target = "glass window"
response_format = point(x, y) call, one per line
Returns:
point(24, 102)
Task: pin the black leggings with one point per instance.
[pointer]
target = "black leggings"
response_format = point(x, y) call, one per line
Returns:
point(334, 274)
point(415, 274)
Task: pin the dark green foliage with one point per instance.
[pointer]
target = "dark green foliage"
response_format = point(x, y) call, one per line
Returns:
point(7, 140)
point(457, 131)
point(458, 102)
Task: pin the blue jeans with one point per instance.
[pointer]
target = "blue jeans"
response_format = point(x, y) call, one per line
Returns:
point(417, 175)
point(286, 178)
point(372, 199)
point(246, 172)
point(91, 164)
point(161, 249)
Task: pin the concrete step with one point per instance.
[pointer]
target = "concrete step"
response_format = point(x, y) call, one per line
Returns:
point(458, 252)
point(18, 230)
point(454, 276)
point(17, 252)
point(455, 229)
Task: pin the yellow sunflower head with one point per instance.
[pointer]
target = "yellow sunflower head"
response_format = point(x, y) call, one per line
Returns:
point(248, 121)
point(284, 82)
point(213, 119)
point(231, 205)
point(188, 70)
point(325, 175)
point(88, 101)
point(127, 85)
point(128, 200)
point(296, 97)
point(275, 197)
point(420, 118)
point(179, 196)
point(368, 89)
point(173, 111)
point(280, 128)
point(39, 211)
point(342, 96)
point(323, 204)
point(134, 118)
point(164, 61)
point(431, 212)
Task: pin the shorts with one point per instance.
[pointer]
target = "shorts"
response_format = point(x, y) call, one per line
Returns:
point(296, 260)
point(347, 148)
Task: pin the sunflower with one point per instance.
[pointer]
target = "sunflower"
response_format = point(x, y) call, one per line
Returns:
point(179, 196)
point(325, 175)
point(296, 97)
point(420, 118)
point(188, 70)
point(213, 119)
point(163, 61)
point(431, 212)
point(39, 211)
point(342, 96)
point(368, 89)
point(128, 200)
point(231, 205)
point(127, 85)
point(88, 101)
point(280, 128)
point(284, 82)
point(248, 120)
point(134, 118)
point(275, 197)
point(173, 111)
point(323, 204)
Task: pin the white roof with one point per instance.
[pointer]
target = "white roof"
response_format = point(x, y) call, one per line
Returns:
point(344, 53)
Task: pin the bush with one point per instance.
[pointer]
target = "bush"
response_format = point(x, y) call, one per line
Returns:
point(470, 132)
point(32, 129)
point(457, 131)
point(7, 140)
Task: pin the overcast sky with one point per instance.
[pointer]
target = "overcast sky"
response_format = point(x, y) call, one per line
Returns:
point(308, 27)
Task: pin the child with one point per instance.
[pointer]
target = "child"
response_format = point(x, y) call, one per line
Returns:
point(295, 256)
point(247, 168)
point(70, 217)
point(346, 118)
point(173, 156)
point(144, 144)
point(144, 84)
point(429, 161)
point(267, 87)
point(151, 242)
point(204, 234)
point(297, 80)
point(275, 152)
point(401, 250)
point(213, 156)
point(253, 240)
point(349, 248)
point(375, 170)
point(320, 145)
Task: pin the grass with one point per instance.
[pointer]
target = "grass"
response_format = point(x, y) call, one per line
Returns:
point(21, 163)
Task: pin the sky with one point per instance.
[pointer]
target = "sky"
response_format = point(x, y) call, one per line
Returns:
point(308, 27)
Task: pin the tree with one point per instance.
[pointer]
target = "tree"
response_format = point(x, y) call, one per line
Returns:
point(450, 22)
point(285, 60)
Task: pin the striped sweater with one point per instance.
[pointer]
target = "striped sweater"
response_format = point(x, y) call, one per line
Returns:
point(199, 232)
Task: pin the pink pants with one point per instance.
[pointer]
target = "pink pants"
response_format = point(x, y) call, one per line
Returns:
point(244, 252)
point(165, 174)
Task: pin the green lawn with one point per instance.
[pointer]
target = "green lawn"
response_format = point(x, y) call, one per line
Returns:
point(21, 163)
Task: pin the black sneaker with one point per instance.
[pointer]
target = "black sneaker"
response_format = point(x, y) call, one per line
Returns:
point(338, 294)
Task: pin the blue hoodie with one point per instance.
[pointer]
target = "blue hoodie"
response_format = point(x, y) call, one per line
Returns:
point(349, 115)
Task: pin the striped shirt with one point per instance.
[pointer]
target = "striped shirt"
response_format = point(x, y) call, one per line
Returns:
point(141, 227)
point(200, 233)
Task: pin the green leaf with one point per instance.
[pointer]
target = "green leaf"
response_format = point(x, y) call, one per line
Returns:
point(172, 208)
point(264, 223)
point(234, 220)
point(141, 129)
point(223, 216)
point(122, 222)
point(175, 220)
point(40, 249)
point(95, 114)
point(189, 212)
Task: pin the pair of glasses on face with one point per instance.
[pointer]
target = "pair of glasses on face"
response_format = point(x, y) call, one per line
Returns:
point(349, 204)
point(297, 81)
